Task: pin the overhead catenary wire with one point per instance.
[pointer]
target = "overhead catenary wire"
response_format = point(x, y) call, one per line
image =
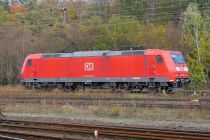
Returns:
point(155, 18)
point(172, 16)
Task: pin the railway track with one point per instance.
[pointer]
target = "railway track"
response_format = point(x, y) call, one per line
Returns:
point(60, 131)
point(177, 91)
point(201, 103)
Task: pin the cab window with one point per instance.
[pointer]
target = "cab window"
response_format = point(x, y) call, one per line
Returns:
point(159, 59)
point(178, 58)
point(29, 62)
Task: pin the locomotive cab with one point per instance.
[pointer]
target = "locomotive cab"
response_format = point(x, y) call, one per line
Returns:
point(167, 68)
point(29, 71)
point(181, 69)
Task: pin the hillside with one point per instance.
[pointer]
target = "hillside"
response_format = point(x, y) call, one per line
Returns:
point(34, 26)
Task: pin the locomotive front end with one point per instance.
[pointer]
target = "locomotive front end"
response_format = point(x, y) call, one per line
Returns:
point(181, 70)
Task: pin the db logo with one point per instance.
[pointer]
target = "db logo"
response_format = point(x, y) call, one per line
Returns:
point(89, 66)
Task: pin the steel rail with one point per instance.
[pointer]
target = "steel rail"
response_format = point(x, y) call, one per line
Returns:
point(104, 98)
point(104, 130)
point(105, 91)
point(5, 137)
point(25, 135)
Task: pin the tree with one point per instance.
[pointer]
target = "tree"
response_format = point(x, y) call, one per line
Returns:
point(3, 14)
point(136, 8)
point(117, 33)
point(193, 26)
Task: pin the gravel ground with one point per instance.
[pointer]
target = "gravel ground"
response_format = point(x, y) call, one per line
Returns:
point(166, 124)
point(202, 123)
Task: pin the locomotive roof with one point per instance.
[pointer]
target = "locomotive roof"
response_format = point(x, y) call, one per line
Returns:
point(94, 53)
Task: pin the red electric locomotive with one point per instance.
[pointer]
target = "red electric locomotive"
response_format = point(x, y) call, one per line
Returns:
point(130, 70)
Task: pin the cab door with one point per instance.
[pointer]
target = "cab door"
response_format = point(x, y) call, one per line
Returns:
point(160, 66)
point(151, 66)
point(34, 68)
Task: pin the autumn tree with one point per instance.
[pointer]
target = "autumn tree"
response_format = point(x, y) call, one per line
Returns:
point(194, 33)
point(136, 8)
point(3, 14)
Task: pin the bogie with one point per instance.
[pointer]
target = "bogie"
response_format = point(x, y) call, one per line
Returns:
point(115, 87)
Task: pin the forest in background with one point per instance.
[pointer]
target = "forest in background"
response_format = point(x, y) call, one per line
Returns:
point(45, 26)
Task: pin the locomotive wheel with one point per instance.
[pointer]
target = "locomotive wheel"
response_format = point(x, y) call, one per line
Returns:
point(169, 90)
point(28, 85)
point(70, 88)
point(48, 89)
point(117, 90)
point(140, 89)
point(113, 89)
point(66, 89)
point(154, 90)
point(136, 90)
point(74, 88)
point(37, 86)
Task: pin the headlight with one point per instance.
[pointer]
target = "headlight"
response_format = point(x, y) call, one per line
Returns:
point(178, 69)
point(186, 69)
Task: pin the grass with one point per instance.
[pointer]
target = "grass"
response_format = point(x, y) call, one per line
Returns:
point(118, 113)
point(114, 112)
point(19, 91)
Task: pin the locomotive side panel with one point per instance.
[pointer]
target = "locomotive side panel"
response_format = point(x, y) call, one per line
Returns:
point(87, 67)
point(126, 66)
point(53, 68)
point(66, 68)
point(108, 67)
